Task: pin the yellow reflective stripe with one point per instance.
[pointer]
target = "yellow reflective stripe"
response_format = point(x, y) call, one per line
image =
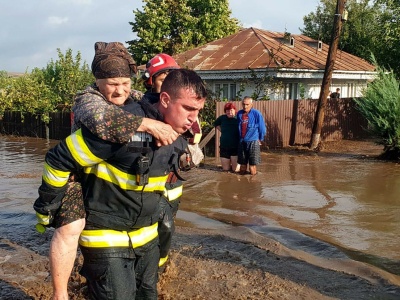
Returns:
point(104, 238)
point(80, 150)
point(162, 261)
point(54, 177)
point(124, 180)
point(174, 194)
point(43, 219)
point(143, 235)
point(114, 238)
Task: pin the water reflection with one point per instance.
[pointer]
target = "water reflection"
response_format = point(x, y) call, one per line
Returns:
point(328, 206)
point(342, 201)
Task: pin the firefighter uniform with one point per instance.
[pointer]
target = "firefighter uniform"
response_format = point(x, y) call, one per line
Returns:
point(123, 186)
point(174, 190)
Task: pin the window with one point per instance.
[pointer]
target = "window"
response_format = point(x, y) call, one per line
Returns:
point(291, 91)
point(225, 90)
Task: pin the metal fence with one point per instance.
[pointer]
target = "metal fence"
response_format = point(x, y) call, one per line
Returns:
point(15, 123)
point(289, 122)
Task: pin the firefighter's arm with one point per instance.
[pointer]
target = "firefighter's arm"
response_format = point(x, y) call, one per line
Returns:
point(56, 171)
point(79, 150)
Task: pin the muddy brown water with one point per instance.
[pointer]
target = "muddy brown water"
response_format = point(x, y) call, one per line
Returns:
point(333, 206)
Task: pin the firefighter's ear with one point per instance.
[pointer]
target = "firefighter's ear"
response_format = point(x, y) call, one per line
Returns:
point(165, 99)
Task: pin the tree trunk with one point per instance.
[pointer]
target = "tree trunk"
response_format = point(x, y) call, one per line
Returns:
point(330, 61)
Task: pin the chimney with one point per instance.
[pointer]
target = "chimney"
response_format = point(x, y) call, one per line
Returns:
point(319, 46)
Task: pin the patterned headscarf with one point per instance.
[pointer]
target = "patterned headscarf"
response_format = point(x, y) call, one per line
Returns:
point(112, 60)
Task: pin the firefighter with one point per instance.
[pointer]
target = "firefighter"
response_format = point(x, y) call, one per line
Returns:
point(156, 70)
point(132, 233)
point(101, 112)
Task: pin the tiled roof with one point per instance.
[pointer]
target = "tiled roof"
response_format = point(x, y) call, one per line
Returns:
point(259, 49)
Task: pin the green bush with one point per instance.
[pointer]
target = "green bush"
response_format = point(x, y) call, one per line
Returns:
point(64, 77)
point(45, 90)
point(27, 95)
point(380, 105)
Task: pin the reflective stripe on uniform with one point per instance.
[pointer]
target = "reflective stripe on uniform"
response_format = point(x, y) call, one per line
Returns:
point(124, 180)
point(143, 235)
point(162, 261)
point(43, 219)
point(54, 177)
point(80, 151)
point(173, 194)
point(115, 238)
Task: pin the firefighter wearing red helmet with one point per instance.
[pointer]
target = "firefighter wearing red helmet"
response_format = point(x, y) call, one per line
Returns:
point(157, 69)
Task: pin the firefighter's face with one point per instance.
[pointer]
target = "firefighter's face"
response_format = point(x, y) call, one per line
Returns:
point(115, 90)
point(182, 110)
point(158, 81)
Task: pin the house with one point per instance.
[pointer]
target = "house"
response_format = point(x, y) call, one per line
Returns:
point(274, 65)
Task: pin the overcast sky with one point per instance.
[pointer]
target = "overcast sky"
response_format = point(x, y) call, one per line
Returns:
point(32, 30)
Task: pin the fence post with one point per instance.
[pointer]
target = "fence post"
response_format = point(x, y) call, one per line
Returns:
point(46, 126)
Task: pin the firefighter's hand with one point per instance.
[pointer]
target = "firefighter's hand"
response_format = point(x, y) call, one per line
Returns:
point(43, 221)
point(162, 132)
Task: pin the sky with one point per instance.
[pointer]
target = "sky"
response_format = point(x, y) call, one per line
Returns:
point(31, 31)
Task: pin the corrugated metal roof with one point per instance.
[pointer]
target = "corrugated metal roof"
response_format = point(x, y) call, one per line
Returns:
point(259, 49)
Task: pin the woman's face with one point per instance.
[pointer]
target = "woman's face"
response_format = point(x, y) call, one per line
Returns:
point(116, 90)
point(230, 113)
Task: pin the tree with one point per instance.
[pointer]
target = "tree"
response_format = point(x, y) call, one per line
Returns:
point(27, 95)
point(65, 76)
point(380, 105)
point(372, 27)
point(45, 90)
point(318, 25)
point(387, 51)
point(174, 26)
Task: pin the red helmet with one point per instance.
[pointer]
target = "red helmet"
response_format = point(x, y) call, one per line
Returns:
point(158, 64)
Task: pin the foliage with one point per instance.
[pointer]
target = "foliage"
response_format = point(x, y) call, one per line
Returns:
point(318, 25)
point(264, 86)
point(174, 26)
point(138, 84)
point(45, 90)
point(207, 114)
point(372, 26)
point(65, 77)
point(380, 105)
point(302, 91)
point(388, 36)
point(27, 95)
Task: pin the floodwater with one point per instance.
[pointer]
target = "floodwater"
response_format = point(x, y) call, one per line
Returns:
point(332, 206)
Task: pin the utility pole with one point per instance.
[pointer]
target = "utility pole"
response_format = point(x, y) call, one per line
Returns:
point(330, 61)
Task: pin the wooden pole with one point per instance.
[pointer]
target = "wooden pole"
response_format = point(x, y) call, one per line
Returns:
point(330, 61)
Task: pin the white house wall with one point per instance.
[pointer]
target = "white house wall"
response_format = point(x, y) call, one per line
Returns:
point(348, 88)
